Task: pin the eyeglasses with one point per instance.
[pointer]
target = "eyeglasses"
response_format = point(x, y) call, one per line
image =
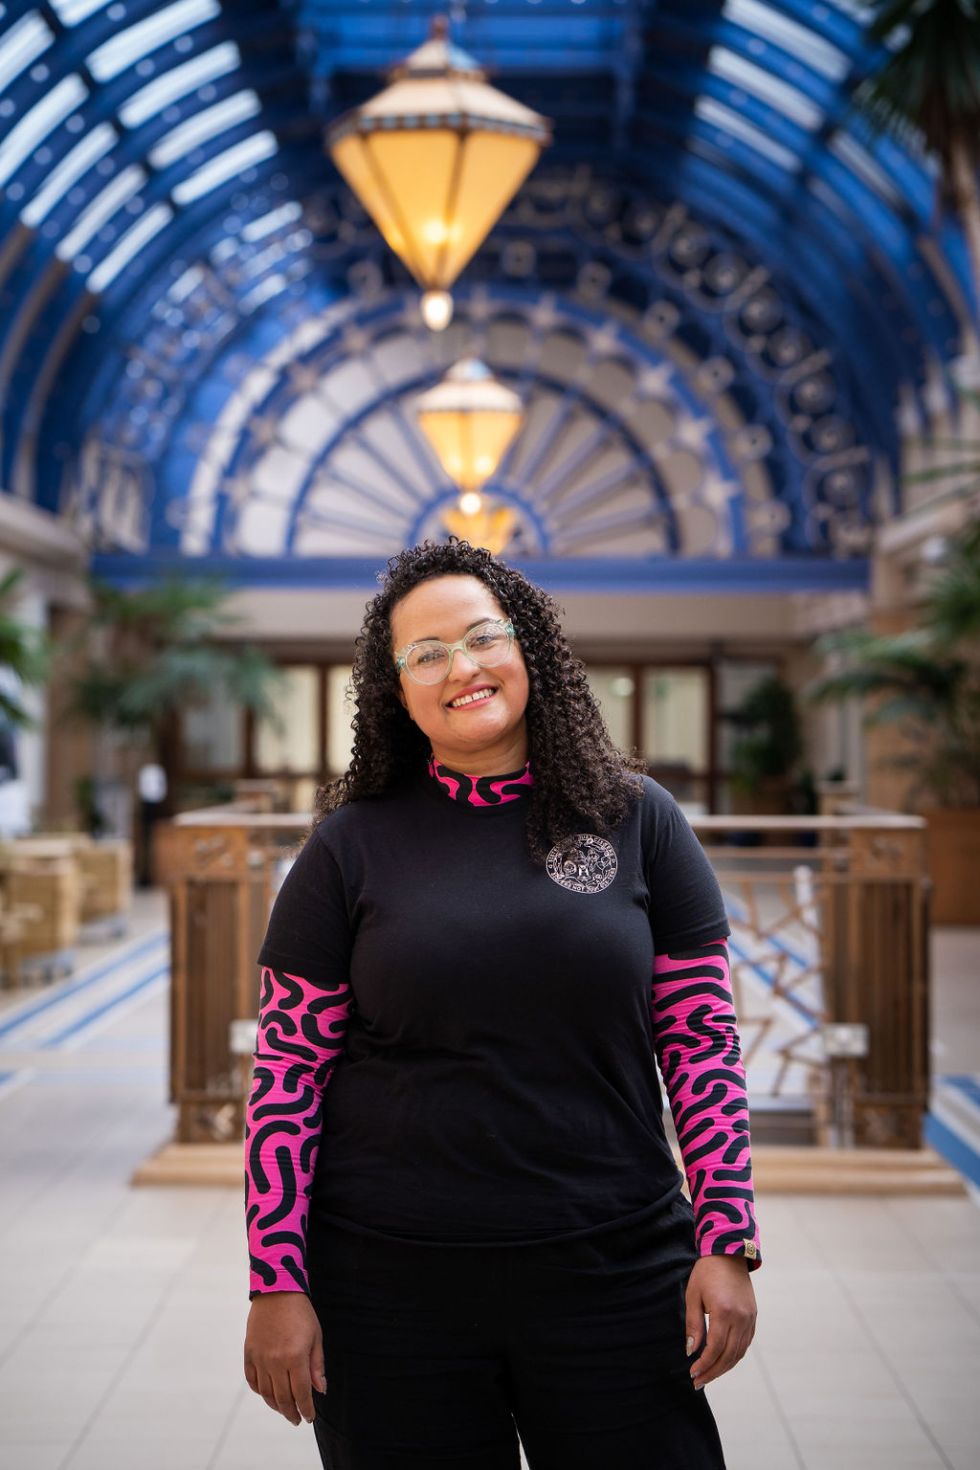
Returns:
point(430, 661)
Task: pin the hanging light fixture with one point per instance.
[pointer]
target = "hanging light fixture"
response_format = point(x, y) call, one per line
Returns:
point(470, 419)
point(435, 159)
point(489, 527)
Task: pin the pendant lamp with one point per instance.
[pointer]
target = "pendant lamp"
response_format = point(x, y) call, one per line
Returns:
point(488, 526)
point(469, 418)
point(435, 158)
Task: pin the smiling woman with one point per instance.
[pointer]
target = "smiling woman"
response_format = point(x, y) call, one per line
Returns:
point(494, 933)
point(475, 717)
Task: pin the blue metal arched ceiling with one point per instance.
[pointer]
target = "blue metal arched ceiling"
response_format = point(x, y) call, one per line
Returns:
point(143, 142)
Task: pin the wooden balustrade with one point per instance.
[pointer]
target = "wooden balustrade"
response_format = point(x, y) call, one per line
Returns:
point(220, 868)
point(830, 919)
point(830, 925)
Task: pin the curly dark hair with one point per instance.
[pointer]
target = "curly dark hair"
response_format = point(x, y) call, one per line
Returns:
point(581, 781)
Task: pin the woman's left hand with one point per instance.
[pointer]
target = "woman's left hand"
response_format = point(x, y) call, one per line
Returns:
point(720, 1287)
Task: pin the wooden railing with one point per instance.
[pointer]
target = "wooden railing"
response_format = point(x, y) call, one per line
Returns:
point(829, 922)
point(830, 930)
point(222, 869)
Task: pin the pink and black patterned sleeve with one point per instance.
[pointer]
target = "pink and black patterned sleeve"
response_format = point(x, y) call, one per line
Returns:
point(302, 1026)
point(699, 1053)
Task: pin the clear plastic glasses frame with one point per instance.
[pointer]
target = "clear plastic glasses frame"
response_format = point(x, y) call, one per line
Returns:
point(464, 644)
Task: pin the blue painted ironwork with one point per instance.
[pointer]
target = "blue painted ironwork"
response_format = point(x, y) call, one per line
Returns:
point(782, 198)
point(678, 576)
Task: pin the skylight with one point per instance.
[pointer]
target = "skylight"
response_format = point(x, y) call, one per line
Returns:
point(69, 171)
point(129, 246)
point(109, 59)
point(32, 129)
point(204, 125)
point(186, 283)
point(264, 291)
point(22, 44)
point(225, 166)
point(732, 122)
point(859, 10)
point(741, 73)
point(860, 161)
point(284, 215)
point(102, 208)
point(797, 39)
point(73, 12)
point(177, 82)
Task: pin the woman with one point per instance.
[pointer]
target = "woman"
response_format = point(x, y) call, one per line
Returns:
point(494, 928)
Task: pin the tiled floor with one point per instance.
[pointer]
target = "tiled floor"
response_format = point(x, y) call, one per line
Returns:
point(122, 1310)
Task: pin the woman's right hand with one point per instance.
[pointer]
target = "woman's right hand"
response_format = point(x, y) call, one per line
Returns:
point(284, 1353)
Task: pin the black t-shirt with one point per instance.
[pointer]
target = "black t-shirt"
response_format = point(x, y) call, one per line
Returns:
point(498, 1082)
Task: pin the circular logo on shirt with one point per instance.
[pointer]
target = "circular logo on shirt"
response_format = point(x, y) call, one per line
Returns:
point(583, 864)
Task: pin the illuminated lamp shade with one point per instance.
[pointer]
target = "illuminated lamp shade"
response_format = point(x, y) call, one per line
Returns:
point(469, 418)
point(490, 528)
point(436, 157)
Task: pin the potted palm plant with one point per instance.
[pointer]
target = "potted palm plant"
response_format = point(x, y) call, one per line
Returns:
point(926, 683)
point(764, 761)
point(145, 656)
point(927, 94)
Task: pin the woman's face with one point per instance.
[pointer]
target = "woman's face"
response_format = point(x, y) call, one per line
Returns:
point(486, 736)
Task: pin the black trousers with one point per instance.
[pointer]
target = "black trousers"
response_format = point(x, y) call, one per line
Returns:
point(437, 1356)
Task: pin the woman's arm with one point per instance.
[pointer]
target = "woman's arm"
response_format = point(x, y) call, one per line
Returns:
point(699, 1052)
point(302, 1025)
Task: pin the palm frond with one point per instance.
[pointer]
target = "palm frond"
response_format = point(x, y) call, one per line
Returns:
point(942, 472)
point(12, 712)
point(24, 651)
point(908, 707)
point(255, 682)
point(953, 607)
point(929, 85)
point(156, 655)
point(175, 609)
point(9, 583)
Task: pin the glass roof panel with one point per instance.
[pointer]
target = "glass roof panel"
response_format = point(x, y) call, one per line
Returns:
point(771, 23)
point(177, 82)
point(730, 122)
point(32, 129)
point(129, 246)
point(102, 208)
point(73, 12)
point(765, 80)
point(741, 73)
point(112, 57)
point(263, 226)
point(264, 291)
point(858, 159)
point(23, 43)
point(71, 168)
point(204, 125)
point(859, 10)
point(252, 150)
point(186, 283)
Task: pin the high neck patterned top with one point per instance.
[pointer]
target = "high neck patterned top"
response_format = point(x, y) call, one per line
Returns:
point(491, 1029)
point(482, 791)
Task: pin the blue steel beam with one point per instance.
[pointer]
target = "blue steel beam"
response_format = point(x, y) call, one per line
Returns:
point(697, 577)
point(49, 309)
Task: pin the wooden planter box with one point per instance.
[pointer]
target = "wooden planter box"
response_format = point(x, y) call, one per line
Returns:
point(49, 891)
point(106, 869)
point(954, 865)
